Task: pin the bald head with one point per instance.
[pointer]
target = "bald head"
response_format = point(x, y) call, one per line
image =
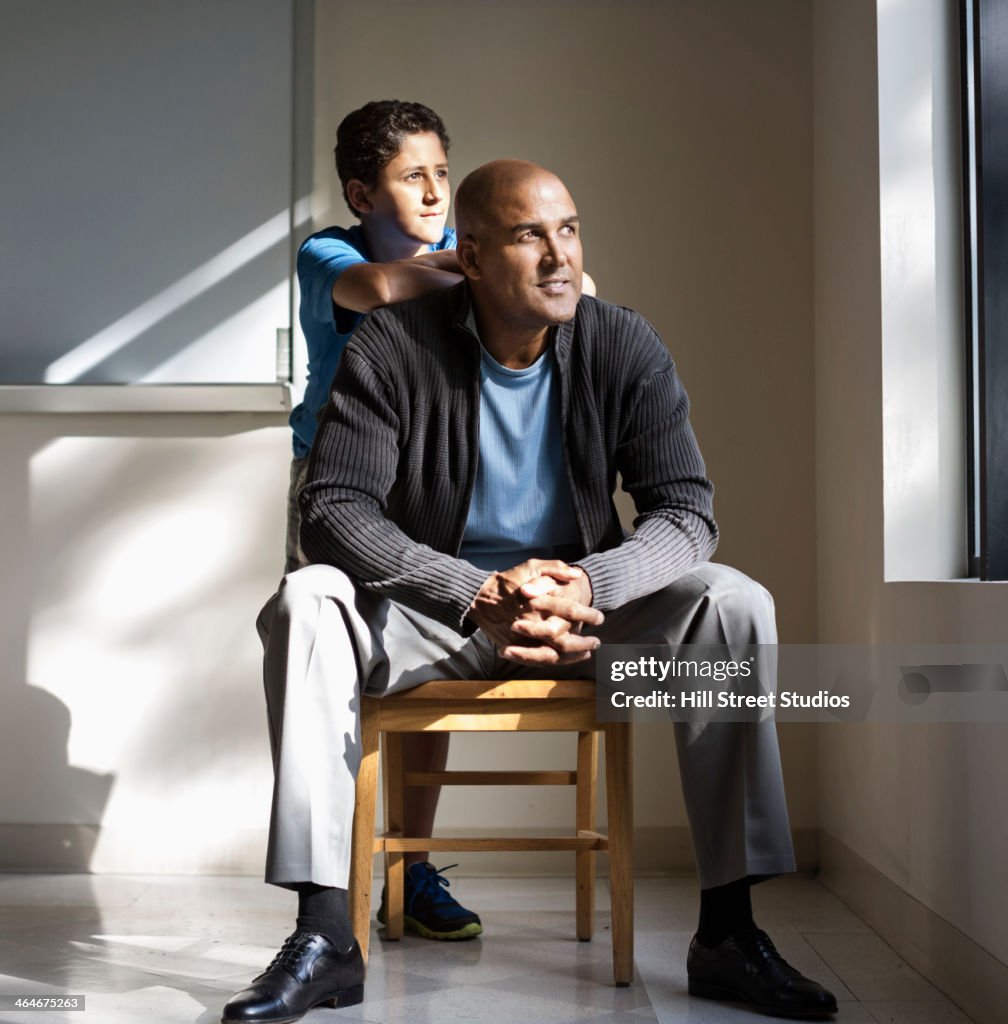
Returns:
point(519, 247)
point(486, 193)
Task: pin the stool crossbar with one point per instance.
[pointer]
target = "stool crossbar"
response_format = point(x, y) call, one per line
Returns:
point(480, 705)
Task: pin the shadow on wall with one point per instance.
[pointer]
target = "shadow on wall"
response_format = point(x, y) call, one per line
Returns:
point(138, 550)
point(41, 785)
point(46, 781)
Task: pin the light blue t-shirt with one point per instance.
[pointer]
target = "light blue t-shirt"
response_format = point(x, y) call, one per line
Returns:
point(326, 326)
point(521, 504)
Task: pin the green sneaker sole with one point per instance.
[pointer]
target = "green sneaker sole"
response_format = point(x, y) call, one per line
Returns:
point(469, 931)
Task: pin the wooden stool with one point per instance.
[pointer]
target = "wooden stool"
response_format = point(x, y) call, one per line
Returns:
point(468, 705)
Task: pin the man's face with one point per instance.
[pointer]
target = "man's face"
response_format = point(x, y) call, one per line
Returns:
point(527, 261)
point(412, 194)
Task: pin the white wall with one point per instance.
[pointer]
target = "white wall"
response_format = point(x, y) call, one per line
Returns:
point(136, 552)
point(920, 805)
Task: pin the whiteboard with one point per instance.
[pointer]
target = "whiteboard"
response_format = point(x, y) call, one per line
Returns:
point(147, 184)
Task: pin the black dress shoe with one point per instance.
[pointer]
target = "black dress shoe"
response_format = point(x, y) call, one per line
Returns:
point(747, 967)
point(308, 971)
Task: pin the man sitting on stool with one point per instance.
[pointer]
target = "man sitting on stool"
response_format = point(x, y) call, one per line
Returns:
point(459, 514)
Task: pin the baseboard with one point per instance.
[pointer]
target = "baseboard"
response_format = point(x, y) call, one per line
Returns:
point(946, 956)
point(48, 848)
point(93, 849)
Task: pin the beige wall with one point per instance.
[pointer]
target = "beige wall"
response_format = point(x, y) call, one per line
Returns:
point(920, 804)
point(683, 131)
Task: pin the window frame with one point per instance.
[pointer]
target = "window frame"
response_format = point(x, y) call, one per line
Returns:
point(985, 168)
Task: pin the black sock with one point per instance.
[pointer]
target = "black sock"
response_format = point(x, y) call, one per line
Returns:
point(724, 910)
point(323, 909)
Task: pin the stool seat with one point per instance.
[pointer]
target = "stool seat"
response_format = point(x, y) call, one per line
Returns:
point(497, 689)
point(489, 705)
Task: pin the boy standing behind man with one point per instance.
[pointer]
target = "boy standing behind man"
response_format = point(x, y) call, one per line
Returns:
point(392, 162)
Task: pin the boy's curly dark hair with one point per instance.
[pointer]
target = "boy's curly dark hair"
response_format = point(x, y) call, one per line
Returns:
point(369, 138)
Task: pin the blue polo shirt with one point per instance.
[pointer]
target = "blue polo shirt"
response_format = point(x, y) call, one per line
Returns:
point(326, 326)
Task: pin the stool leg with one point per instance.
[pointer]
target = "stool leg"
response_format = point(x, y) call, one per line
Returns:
point(363, 844)
point(394, 873)
point(619, 794)
point(587, 777)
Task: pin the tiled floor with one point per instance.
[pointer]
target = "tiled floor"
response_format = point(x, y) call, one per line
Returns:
point(162, 950)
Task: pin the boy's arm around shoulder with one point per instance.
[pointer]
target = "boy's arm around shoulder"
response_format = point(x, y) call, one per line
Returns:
point(365, 287)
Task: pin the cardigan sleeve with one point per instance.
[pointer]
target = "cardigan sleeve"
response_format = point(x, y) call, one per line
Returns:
point(663, 472)
point(351, 471)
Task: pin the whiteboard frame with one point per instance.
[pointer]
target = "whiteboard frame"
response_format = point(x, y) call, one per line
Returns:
point(145, 398)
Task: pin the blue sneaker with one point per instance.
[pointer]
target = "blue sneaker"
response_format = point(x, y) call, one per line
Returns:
point(429, 910)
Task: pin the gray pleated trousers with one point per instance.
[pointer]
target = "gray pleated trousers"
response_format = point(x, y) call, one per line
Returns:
point(325, 640)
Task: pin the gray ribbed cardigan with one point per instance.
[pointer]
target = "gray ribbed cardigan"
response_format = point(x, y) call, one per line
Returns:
point(393, 465)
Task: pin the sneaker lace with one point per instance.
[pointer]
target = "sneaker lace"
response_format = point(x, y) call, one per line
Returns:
point(432, 884)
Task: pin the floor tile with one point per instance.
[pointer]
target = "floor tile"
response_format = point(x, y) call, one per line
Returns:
point(475, 1005)
point(620, 1017)
point(934, 1012)
point(587, 984)
point(873, 971)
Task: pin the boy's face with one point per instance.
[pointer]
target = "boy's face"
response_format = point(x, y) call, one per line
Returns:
point(412, 195)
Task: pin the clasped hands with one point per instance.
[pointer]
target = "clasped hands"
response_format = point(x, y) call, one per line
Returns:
point(534, 613)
